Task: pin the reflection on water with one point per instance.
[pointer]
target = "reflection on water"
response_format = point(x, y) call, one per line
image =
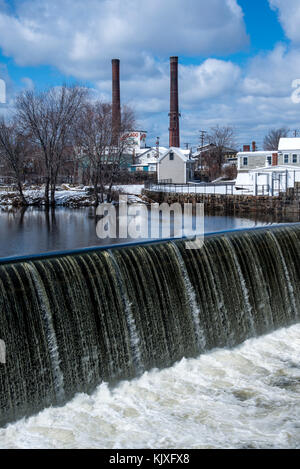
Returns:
point(34, 230)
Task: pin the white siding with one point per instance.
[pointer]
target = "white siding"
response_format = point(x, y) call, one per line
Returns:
point(172, 169)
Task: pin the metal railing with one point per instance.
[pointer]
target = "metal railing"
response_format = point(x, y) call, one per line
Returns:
point(223, 188)
point(226, 188)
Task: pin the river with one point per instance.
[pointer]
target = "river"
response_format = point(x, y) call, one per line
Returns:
point(33, 231)
point(246, 397)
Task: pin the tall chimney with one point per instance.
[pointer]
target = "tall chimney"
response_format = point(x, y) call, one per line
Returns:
point(174, 140)
point(116, 103)
point(253, 146)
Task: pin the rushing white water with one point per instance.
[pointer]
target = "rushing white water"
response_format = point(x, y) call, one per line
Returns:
point(247, 397)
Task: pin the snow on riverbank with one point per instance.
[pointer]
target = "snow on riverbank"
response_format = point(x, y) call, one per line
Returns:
point(70, 198)
point(134, 189)
point(36, 197)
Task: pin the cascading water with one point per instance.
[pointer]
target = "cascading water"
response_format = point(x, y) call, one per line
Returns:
point(72, 322)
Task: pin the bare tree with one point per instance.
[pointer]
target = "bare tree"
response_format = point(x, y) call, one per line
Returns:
point(14, 149)
point(222, 139)
point(271, 140)
point(48, 118)
point(98, 143)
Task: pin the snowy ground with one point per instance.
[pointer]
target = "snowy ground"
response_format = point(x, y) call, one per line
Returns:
point(71, 198)
point(135, 189)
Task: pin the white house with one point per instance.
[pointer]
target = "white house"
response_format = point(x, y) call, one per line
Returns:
point(271, 180)
point(147, 160)
point(175, 166)
point(289, 151)
point(248, 160)
point(276, 169)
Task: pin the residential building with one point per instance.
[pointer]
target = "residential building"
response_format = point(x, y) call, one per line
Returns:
point(248, 160)
point(176, 166)
point(289, 151)
point(202, 154)
point(147, 160)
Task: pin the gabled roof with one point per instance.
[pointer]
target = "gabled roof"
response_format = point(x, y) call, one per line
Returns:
point(210, 146)
point(181, 153)
point(289, 144)
point(150, 149)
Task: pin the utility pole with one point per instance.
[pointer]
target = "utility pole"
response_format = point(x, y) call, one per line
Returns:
point(202, 137)
point(157, 147)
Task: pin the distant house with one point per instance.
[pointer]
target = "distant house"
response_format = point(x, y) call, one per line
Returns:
point(203, 152)
point(289, 151)
point(248, 160)
point(175, 166)
point(146, 161)
point(276, 170)
point(270, 180)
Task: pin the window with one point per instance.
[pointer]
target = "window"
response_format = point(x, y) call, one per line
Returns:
point(245, 161)
point(171, 155)
point(286, 159)
point(269, 160)
point(294, 158)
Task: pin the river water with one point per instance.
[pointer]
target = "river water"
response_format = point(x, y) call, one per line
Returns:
point(247, 397)
point(35, 230)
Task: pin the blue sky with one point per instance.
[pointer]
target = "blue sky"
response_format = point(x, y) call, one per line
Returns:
point(237, 58)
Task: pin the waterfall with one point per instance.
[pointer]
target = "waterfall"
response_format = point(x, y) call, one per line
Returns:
point(288, 283)
point(70, 322)
point(244, 288)
point(134, 337)
point(194, 307)
point(49, 329)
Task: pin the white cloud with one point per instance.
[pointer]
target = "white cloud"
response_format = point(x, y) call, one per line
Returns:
point(289, 17)
point(212, 78)
point(81, 39)
point(28, 83)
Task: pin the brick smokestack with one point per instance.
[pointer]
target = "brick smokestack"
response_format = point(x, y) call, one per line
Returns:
point(174, 140)
point(116, 102)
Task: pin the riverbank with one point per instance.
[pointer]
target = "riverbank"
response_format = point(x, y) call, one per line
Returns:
point(284, 204)
point(64, 198)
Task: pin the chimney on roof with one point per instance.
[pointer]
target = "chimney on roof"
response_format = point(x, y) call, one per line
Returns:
point(274, 159)
point(253, 146)
point(246, 147)
point(174, 139)
point(116, 102)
